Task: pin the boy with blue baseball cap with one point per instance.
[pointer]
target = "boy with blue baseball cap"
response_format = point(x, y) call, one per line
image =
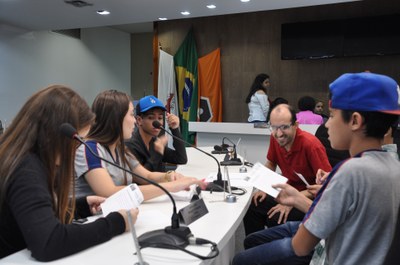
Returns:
point(357, 207)
point(148, 145)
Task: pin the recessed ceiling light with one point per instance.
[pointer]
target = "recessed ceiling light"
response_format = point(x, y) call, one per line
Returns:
point(185, 13)
point(244, 1)
point(162, 18)
point(103, 12)
point(211, 6)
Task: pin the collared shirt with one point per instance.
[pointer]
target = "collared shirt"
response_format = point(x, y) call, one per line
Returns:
point(306, 156)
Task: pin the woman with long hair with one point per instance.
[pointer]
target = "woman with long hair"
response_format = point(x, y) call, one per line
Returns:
point(37, 201)
point(257, 99)
point(114, 123)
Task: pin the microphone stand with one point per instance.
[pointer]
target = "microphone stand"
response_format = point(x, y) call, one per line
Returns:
point(219, 183)
point(174, 234)
point(235, 161)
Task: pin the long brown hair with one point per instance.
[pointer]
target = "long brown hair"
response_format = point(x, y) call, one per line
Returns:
point(35, 129)
point(110, 108)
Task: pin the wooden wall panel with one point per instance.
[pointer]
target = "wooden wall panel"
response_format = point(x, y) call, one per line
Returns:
point(250, 44)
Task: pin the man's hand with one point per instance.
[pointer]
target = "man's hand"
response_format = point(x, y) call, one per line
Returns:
point(289, 196)
point(282, 210)
point(313, 189)
point(321, 176)
point(259, 196)
point(172, 120)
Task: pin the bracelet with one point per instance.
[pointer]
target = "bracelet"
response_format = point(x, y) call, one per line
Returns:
point(167, 176)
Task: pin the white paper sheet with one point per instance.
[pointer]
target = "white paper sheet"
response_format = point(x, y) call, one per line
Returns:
point(128, 198)
point(263, 178)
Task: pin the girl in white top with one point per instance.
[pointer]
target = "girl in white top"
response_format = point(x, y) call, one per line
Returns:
point(257, 99)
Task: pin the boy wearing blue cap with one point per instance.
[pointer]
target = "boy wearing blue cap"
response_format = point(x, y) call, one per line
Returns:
point(149, 147)
point(357, 207)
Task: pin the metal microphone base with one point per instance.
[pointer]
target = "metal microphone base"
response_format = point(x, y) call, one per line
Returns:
point(230, 198)
point(166, 238)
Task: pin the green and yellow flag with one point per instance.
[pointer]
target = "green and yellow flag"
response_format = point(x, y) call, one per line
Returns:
point(185, 61)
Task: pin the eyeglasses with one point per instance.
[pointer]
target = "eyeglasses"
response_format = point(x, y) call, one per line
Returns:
point(283, 127)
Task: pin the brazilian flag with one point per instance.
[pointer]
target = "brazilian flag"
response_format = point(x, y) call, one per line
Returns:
point(185, 61)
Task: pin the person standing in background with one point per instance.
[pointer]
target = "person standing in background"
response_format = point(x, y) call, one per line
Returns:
point(257, 99)
point(319, 109)
point(306, 115)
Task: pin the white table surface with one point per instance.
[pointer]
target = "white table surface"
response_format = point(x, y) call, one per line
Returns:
point(219, 226)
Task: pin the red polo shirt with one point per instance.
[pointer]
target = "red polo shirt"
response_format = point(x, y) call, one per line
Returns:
point(306, 156)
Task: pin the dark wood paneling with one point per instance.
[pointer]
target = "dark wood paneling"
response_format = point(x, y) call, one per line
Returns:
point(250, 44)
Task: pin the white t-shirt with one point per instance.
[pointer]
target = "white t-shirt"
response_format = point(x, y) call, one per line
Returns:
point(258, 107)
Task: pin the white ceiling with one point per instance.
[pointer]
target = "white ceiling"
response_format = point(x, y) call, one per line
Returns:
point(129, 15)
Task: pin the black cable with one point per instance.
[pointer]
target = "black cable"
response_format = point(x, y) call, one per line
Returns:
point(196, 241)
point(239, 191)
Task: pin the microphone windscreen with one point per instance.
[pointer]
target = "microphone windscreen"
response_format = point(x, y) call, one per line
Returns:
point(217, 148)
point(156, 124)
point(68, 130)
point(224, 146)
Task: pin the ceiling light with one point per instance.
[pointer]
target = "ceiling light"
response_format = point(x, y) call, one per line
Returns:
point(103, 12)
point(185, 13)
point(211, 6)
point(244, 1)
point(162, 18)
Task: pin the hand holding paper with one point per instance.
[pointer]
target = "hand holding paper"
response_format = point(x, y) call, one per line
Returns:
point(263, 178)
point(128, 198)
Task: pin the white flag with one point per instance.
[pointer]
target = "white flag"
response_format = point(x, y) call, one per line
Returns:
point(166, 82)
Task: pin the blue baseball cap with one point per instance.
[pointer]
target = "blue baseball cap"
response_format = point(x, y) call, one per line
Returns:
point(147, 103)
point(365, 92)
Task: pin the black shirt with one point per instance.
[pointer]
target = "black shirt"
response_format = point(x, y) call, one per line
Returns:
point(27, 218)
point(152, 160)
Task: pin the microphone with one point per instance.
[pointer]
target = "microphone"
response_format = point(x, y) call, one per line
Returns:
point(172, 235)
point(220, 149)
point(218, 183)
point(235, 161)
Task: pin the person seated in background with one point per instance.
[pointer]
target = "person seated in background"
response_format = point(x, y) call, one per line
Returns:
point(114, 123)
point(294, 151)
point(274, 103)
point(306, 115)
point(319, 109)
point(149, 147)
point(36, 172)
point(334, 156)
point(257, 99)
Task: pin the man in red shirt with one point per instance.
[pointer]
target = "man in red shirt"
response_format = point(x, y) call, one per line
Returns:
point(294, 151)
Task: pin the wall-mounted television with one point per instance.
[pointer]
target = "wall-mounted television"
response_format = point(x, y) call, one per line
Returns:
point(364, 36)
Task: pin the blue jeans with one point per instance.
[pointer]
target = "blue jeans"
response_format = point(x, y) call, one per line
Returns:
point(271, 246)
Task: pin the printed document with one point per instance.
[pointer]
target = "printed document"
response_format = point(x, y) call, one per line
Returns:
point(128, 198)
point(263, 178)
